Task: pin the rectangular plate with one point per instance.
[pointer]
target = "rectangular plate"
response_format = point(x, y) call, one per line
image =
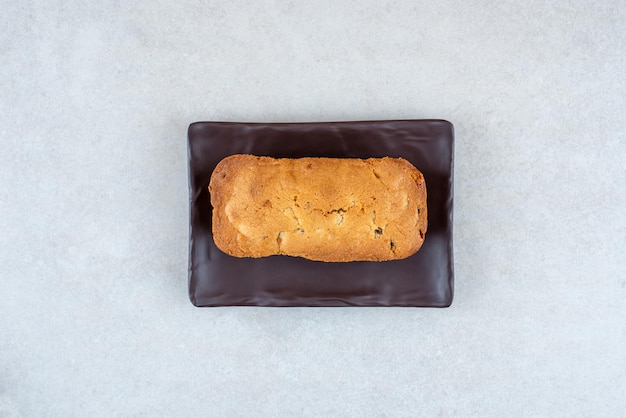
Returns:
point(425, 279)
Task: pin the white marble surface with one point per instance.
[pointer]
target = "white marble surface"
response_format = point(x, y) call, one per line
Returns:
point(95, 100)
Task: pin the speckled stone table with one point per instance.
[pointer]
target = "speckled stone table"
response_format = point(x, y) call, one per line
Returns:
point(95, 101)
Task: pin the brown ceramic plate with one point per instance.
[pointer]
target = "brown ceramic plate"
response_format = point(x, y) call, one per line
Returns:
point(425, 279)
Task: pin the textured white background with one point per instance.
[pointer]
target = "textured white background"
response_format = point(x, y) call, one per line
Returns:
point(95, 100)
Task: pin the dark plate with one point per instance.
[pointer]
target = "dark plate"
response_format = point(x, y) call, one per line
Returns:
point(424, 279)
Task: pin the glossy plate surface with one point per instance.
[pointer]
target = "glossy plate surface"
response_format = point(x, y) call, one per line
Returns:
point(425, 279)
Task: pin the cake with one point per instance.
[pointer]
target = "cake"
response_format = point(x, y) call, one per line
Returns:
point(323, 209)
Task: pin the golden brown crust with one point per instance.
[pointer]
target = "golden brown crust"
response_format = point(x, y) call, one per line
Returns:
point(325, 209)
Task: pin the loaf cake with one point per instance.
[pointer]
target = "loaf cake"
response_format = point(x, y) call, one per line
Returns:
point(324, 209)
